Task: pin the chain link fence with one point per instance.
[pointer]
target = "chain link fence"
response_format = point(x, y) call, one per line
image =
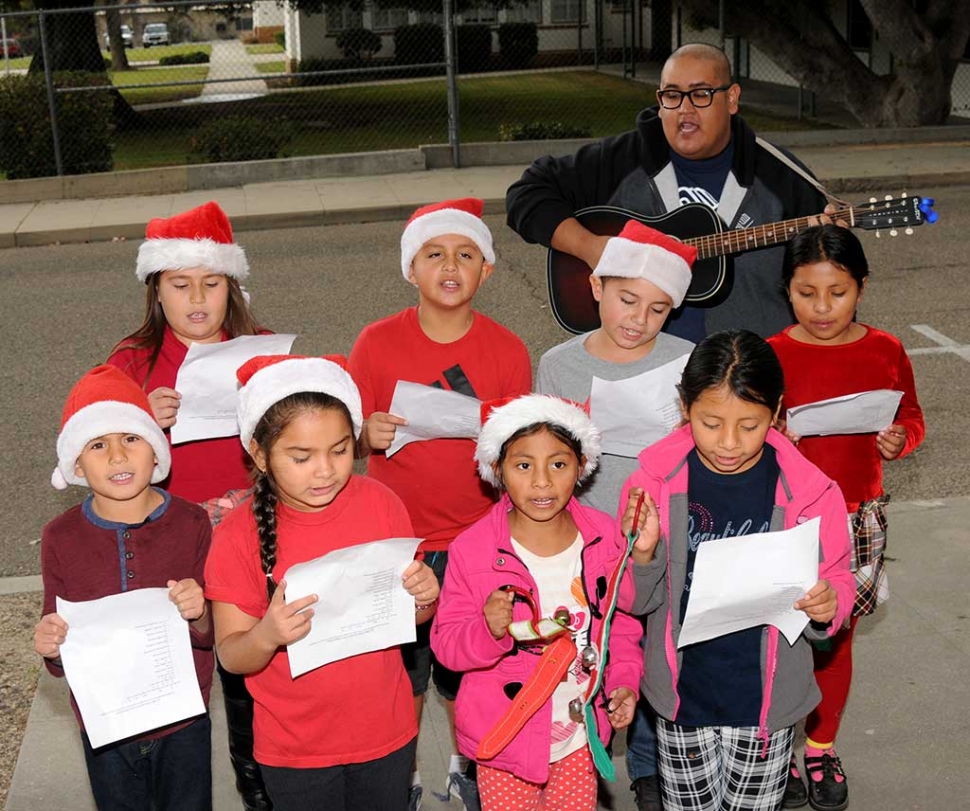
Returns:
point(148, 84)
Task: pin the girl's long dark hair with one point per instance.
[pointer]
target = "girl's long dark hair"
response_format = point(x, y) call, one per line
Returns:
point(825, 243)
point(239, 320)
point(738, 359)
point(265, 490)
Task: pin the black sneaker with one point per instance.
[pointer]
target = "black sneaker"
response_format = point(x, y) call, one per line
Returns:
point(827, 794)
point(796, 795)
point(646, 790)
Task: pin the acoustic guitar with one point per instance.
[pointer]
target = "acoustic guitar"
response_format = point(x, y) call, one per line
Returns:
point(572, 299)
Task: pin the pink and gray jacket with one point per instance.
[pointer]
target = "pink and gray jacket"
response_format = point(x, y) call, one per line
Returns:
point(482, 560)
point(803, 492)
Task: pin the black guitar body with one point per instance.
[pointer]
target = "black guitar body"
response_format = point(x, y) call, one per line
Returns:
point(572, 299)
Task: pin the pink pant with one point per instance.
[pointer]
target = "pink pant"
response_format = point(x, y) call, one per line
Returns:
point(571, 787)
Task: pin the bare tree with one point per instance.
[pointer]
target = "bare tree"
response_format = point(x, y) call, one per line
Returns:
point(927, 39)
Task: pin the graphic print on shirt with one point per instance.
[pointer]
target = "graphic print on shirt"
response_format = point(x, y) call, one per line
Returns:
point(579, 622)
point(457, 380)
point(700, 528)
point(696, 194)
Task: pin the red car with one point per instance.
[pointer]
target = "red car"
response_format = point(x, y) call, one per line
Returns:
point(11, 48)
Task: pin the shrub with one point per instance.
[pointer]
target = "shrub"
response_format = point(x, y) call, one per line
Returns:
point(541, 131)
point(419, 44)
point(84, 121)
point(239, 138)
point(357, 43)
point(473, 47)
point(518, 43)
point(192, 58)
point(280, 37)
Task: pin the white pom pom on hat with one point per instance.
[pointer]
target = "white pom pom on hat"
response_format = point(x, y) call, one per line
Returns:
point(200, 237)
point(641, 252)
point(502, 418)
point(267, 379)
point(106, 401)
point(462, 217)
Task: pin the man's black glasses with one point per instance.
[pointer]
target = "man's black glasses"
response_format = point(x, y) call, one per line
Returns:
point(699, 96)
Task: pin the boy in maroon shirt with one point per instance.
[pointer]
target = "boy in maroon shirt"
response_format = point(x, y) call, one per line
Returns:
point(128, 535)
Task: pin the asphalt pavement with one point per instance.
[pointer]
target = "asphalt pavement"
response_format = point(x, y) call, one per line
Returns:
point(904, 741)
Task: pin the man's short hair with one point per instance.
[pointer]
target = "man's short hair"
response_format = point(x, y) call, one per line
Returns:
point(710, 53)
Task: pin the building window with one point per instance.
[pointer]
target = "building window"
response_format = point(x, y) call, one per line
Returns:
point(430, 17)
point(388, 18)
point(340, 18)
point(483, 14)
point(567, 11)
point(530, 12)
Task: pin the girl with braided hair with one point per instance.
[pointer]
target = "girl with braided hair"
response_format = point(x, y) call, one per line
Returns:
point(343, 735)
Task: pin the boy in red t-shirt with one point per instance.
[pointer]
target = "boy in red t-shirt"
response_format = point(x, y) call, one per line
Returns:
point(447, 254)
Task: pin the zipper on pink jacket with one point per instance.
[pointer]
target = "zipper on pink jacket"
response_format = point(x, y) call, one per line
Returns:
point(772, 656)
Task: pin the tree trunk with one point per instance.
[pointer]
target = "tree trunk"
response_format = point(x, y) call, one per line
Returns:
point(801, 39)
point(119, 54)
point(72, 44)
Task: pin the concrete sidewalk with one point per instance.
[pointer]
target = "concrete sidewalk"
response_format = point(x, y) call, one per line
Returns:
point(903, 742)
point(851, 170)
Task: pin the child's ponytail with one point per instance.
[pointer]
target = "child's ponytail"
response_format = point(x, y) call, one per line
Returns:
point(264, 510)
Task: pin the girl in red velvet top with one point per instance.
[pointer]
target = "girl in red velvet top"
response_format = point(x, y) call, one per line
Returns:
point(829, 354)
point(192, 270)
point(343, 735)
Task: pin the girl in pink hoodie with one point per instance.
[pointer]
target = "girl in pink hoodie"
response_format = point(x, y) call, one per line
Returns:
point(726, 708)
point(539, 547)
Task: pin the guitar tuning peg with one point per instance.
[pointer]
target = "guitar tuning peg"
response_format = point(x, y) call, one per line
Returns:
point(932, 217)
point(878, 233)
point(893, 232)
point(909, 231)
point(904, 195)
point(872, 199)
point(888, 197)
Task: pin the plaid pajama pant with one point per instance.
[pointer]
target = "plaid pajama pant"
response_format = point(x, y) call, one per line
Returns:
point(868, 529)
point(722, 768)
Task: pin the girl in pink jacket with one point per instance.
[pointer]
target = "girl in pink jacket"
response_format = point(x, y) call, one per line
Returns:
point(726, 707)
point(527, 704)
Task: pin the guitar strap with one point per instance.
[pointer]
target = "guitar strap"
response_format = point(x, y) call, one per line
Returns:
point(798, 170)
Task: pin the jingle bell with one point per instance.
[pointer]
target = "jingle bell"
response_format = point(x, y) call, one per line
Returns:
point(576, 710)
point(589, 658)
point(562, 617)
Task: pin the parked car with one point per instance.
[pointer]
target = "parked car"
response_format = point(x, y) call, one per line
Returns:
point(154, 34)
point(10, 48)
point(127, 37)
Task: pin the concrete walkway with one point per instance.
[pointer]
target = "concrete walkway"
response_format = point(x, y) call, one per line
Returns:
point(229, 60)
point(855, 169)
point(903, 740)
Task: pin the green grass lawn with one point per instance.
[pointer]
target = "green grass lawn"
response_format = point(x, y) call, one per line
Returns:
point(271, 67)
point(136, 55)
point(20, 63)
point(407, 114)
point(155, 95)
point(264, 48)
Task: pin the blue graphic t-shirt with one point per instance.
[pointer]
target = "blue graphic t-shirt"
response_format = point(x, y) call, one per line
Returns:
point(720, 679)
point(698, 181)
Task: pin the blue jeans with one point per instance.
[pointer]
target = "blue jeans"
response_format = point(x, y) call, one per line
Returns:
point(641, 743)
point(174, 772)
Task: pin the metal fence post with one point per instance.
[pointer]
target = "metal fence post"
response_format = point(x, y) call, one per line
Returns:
point(453, 134)
point(49, 81)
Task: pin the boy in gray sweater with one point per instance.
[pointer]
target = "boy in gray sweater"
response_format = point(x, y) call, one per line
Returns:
point(642, 275)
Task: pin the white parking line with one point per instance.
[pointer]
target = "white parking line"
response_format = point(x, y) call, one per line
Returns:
point(946, 345)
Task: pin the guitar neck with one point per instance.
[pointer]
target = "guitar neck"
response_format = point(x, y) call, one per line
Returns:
point(759, 236)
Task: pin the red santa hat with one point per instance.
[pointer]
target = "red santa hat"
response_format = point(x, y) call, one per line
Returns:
point(106, 401)
point(201, 237)
point(463, 217)
point(502, 418)
point(641, 252)
point(267, 379)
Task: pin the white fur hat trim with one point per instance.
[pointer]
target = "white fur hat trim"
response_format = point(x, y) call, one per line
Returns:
point(279, 380)
point(155, 255)
point(441, 222)
point(634, 260)
point(529, 410)
point(99, 419)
